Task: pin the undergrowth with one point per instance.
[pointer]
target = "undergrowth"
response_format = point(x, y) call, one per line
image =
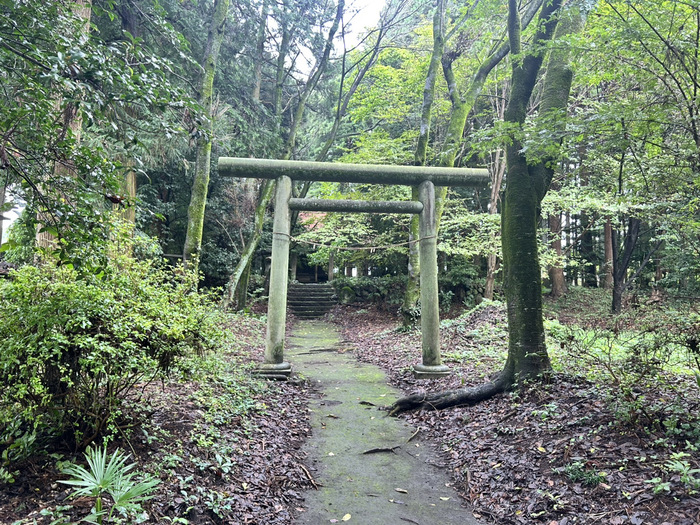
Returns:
point(78, 349)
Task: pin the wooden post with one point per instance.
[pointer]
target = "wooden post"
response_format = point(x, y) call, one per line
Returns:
point(274, 365)
point(432, 366)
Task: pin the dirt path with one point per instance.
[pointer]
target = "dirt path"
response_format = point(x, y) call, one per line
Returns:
point(401, 480)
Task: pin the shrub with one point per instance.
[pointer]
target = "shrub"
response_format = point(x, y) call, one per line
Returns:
point(386, 291)
point(462, 280)
point(75, 347)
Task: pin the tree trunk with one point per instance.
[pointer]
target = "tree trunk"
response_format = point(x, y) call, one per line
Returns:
point(556, 272)
point(266, 192)
point(200, 184)
point(260, 50)
point(128, 189)
point(293, 263)
point(621, 262)
point(525, 189)
point(497, 169)
point(281, 72)
point(242, 288)
point(608, 267)
point(409, 307)
point(3, 190)
point(589, 276)
point(527, 354)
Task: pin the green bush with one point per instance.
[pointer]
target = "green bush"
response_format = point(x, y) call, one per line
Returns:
point(75, 347)
point(386, 291)
point(462, 280)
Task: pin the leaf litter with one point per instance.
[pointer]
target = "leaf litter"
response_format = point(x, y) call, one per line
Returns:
point(554, 454)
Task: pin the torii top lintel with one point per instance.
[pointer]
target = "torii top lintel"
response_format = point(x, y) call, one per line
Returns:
point(360, 173)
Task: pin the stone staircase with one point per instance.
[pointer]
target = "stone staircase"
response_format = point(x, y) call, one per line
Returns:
point(309, 301)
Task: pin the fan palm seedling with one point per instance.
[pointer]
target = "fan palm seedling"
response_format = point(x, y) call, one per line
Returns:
point(108, 476)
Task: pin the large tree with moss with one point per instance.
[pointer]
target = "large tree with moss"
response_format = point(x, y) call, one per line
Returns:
point(200, 184)
point(527, 184)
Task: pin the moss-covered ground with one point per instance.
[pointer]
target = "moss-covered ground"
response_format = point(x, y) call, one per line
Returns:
point(400, 480)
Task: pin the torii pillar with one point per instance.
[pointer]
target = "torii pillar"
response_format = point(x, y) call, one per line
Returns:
point(274, 364)
point(432, 366)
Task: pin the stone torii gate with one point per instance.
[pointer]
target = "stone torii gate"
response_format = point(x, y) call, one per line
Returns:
point(425, 178)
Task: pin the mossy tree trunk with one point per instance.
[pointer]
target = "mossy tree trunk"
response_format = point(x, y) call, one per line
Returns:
point(525, 188)
point(200, 184)
point(268, 185)
point(409, 307)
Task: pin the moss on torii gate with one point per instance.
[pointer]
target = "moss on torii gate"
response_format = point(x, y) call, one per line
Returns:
point(425, 178)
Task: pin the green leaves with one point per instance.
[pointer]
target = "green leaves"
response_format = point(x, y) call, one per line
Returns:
point(108, 476)
point(76, 344)
point(75, 103)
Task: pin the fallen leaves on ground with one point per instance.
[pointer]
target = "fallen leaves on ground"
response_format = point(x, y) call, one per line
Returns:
point(509, 455)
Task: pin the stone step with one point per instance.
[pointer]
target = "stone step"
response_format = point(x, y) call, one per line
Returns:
point(311, 302)
point(300, 295)
point(308, 301)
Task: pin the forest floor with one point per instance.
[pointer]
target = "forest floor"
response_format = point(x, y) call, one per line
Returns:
point(584, 448)
point(600, 443)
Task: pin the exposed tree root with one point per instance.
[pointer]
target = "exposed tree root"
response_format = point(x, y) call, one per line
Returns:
point(450, 398)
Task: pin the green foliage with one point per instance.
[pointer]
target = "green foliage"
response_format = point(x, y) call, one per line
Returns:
point(631, 356)
point(377, 147)
point(462, 281)
point(386, 291)
point(359, 232)
point(78, 100)
point(467, 233)
point(108, 476)
point(346, 295)
point(21, 238)
point(577, 472)
point(688, 476)
point(76, 346)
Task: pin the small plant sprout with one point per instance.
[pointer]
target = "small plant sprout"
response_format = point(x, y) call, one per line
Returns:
point(109, 476)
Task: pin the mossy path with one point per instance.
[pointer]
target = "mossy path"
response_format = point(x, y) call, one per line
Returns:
point(400, 480)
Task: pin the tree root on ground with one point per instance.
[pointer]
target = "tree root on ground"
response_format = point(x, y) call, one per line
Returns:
point(449, 398)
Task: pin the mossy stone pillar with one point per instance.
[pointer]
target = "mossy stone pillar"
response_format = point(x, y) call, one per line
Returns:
point(431, 366)
point(274, 364)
